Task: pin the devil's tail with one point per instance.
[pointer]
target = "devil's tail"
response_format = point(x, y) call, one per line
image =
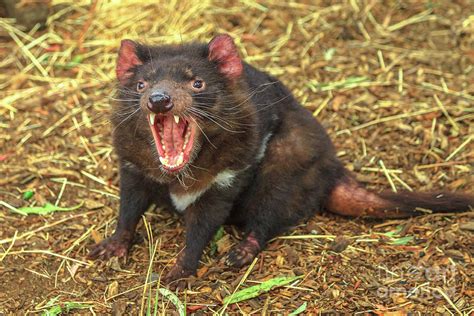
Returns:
point(350, 198)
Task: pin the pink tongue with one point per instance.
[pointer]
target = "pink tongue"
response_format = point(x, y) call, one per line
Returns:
point(172, 136)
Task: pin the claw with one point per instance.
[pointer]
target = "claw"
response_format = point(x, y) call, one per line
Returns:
point(116, 245)
point(244, 252)
point(176, 278)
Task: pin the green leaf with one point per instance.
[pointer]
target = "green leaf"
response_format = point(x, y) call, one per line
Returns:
point(28, 195)
point(75, 61)
point(395, 232)
point(401, 241)
point(299, 310)
point(217, 237)
point(47, 209)
point(64, 308)
point(394, 236)
point(174, 299)
point(256, 290)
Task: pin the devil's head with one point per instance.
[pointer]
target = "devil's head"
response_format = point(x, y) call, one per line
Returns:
point(177, 89)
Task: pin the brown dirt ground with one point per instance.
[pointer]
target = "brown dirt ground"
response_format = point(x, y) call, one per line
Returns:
point(413, 110)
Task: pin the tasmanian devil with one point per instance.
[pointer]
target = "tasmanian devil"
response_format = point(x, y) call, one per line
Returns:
point(199, 131)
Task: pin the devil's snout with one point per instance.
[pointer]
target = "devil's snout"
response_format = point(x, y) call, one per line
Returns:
point(159, 102)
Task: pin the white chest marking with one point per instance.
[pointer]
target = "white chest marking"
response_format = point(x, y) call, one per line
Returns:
point(223, 179)
point(182, 201)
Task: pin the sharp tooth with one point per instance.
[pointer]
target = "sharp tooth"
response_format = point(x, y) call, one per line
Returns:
point(162, 160)
point(151, 116)
point(186, 140)
point(180, 159)
point(176, 119)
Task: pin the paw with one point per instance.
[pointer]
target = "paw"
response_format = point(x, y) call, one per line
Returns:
point(176, 277)
point(115, 245)
point(239, 257)
point(243, 253)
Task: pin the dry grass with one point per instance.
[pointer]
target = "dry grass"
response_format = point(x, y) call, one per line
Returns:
point(393, 84)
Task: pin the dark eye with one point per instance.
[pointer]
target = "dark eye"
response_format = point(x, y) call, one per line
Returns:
point(141, 85)
point(198, 84)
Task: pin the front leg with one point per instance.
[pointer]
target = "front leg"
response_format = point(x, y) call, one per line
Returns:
point(136, 193)
point(202, 220)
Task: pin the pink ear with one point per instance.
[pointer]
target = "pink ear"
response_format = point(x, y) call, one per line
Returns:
point(127, 59)
point(223, 50)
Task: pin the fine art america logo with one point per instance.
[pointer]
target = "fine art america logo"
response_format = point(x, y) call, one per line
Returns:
point(438, 281)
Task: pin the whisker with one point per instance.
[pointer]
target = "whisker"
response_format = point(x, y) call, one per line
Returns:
point(123, 100)
point(269, 105)
point(197, 167)
point(205, 135)
point(187, 173)
point(136, 125)
point(125, 119)
point(204, 114)
point(217, 123)
point(125, 112)
point(208, 114)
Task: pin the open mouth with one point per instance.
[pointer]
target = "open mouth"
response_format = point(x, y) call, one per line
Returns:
point(174, 139)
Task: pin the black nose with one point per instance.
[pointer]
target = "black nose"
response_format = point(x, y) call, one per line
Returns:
point(159, 102)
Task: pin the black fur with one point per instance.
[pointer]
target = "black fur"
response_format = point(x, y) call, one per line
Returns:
point(285, 165)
